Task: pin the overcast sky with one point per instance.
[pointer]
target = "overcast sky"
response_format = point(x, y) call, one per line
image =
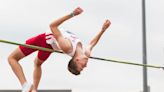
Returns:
point(22, 19)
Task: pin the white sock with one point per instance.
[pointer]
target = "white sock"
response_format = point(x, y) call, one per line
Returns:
point(26, 87)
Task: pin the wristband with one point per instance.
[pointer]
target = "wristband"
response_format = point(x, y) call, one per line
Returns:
point(72, 14)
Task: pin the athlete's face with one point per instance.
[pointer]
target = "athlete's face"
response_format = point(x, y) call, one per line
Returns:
point(81, 63)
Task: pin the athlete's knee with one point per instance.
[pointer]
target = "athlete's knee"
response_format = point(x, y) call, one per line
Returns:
point(13, 58)
point(38, 62)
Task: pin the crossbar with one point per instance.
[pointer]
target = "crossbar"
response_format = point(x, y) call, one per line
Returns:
point(92, 57)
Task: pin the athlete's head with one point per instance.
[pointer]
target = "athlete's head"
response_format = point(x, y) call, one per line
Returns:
point(77, 63)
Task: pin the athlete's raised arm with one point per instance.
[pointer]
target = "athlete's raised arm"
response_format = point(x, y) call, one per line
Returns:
point(95, 40)
point(59, 21)
point(64, 44)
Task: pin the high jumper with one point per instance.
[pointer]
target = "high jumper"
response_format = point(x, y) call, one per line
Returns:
point(54, 38)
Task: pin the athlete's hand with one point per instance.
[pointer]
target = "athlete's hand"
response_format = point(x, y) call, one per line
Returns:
point(106, 24)
point(77, 11)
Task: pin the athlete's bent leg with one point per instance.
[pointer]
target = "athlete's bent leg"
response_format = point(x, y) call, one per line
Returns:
point(13, 60)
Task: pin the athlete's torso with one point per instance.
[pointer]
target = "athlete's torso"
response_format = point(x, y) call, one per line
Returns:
point(50, 39)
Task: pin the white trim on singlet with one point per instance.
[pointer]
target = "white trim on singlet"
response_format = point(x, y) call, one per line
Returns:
point(50, 39)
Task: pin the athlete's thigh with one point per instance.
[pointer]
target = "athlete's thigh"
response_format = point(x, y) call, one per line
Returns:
point(17, 54)
point(43, 55)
